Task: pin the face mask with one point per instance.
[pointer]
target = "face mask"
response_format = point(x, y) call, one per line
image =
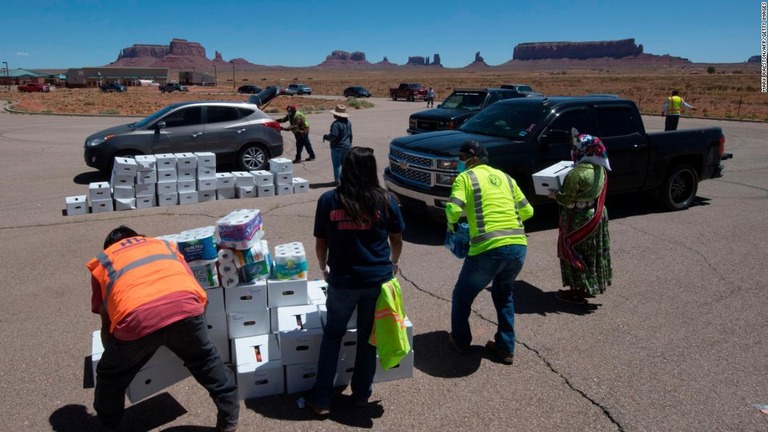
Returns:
point(461, 166)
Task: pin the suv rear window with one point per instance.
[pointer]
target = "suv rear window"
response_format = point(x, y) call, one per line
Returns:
point(218, 114)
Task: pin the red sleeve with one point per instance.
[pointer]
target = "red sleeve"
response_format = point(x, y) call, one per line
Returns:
point(96, 300)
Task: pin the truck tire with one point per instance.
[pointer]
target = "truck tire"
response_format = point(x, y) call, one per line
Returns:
point(411, 98)
point(394, 96)
point(679, 188)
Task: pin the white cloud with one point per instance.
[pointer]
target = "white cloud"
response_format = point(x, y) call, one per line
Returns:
point(22, 54)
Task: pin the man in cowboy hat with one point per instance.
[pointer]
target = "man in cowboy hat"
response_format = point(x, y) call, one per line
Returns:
point(300, 128)
point(340, 138)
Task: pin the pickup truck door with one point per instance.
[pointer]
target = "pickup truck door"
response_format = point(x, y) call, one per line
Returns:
point(556, 139)
point(621, 130)
point(183, 132)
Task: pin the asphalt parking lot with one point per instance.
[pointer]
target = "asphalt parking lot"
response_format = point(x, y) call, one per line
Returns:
point(677, 343)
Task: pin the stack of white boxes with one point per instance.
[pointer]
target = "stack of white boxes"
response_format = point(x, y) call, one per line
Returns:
point(264, 181)
point(146, 181)
point(207, 182)
point(186, 177)
point(282, 170)
point(245, 186)
point(225, 186)
point(167, 190)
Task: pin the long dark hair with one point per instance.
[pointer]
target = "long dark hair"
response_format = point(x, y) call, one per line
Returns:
point(360, 193)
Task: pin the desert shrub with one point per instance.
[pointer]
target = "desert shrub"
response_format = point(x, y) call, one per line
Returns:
point(110, 111)
point(358, 103)
point(711, 70)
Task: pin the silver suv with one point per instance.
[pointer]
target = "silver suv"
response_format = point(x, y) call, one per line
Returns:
point(300, 89)
point(238, 132)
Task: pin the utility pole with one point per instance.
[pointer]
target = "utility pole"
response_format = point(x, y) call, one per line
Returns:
point(233, 76)
point(7, 76)
point(215, 77)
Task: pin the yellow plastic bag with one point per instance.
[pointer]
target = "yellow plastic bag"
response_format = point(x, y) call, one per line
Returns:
point(389, 335)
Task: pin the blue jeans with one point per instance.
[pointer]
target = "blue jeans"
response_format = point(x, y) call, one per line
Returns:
point(337, 157)
point(341, 303)
point(188, 339)
point(302, 143)
point(500, 265)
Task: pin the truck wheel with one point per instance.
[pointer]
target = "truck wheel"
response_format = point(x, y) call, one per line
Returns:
point(394, 97)
point(679, 188)
point(253, 157)
point(411, 98)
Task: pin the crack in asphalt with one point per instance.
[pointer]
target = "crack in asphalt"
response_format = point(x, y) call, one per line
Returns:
point(549, 365)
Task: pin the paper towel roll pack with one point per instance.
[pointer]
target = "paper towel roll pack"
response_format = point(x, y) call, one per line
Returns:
point(205, 272)
point(290, 261)
point(198, 244)
point(240, 229)
point(258, 252)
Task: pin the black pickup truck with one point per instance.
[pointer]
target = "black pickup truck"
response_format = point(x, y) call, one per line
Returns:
point(457, 108)
point(526, 135)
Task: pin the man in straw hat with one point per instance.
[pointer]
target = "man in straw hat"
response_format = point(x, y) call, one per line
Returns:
point(340, 138)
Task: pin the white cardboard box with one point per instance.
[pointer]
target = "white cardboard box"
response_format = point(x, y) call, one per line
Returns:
point(266, 190)
point(99, 191)
point(189, 197)
point(262, 177)
point(206, 172)
point(102, 205)
point(146, 202)
point(401, 371)
point(125, 204)
point(265, 380)
point(250, 351)
point(118, 180)
point(248, 297)
point(226, 193)
point(205, 196)
point(300, 185)
point(280, 165)
point(284, 179)
point(351, 324)
point(167, 199)
point(146, 190)
point(289, 318)
point(166, 175)
point(163, 370)
point(185, 161)
point(187, 185)
point(76, 205)
point(124, 166)
point(122, 192)
point(144, 177)
point(283, 189)
point(300, 346)
point(216, 318)
point(145, 163)
point(225, 180)
point(242, 324)
point(245, 191)
point(551, 178)
point(243, 178)
point(317, 290)
point(287, 292)
point(207, 184)
point(167, 187)
point(165, 161)
point(186, 173)
point(300, 377)
point(206, 159)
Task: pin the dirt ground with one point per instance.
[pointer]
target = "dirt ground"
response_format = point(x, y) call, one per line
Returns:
point(732, 92)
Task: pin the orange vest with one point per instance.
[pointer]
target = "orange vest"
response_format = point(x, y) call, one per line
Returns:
point(138, 270)
point(675, 105)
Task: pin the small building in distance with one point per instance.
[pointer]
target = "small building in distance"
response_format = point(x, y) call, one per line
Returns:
point(129, 76)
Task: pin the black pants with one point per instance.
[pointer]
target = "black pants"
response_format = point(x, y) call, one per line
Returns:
point(188, 339)
point(301, 143)
point(670, 122)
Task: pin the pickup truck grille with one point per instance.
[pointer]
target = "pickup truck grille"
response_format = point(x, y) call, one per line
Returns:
point(427, 126)
point(412, 168)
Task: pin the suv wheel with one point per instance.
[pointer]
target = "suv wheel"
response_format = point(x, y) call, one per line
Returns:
point(252, 157)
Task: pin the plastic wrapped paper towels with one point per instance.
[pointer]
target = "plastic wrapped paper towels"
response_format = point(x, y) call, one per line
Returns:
point(198, 244)
point(205, 272)
point(240, 229)
point(290, 261)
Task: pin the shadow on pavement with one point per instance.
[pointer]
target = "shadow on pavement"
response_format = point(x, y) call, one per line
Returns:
point(343, 410)
point(436, 357)
point(146, 415)
point(531, 300)
point(90, 177)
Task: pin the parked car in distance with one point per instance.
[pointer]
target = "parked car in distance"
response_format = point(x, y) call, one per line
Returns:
point(408, 91)
point(236, 132)
point(300, 89)
point(34, 87)
point(356, 91)
point(172, 87)
point(287, 91)
point(113, 87)
point(522, 88)
point(248, 89)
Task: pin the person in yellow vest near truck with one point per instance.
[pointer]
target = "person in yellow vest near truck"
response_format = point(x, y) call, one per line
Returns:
point(147, 296)
point(495, 209)
point(672, 108)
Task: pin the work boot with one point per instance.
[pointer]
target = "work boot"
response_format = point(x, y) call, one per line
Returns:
point(297, 160)
point(311, 158)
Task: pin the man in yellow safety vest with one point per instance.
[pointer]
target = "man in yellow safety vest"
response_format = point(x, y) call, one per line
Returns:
point(671, 109)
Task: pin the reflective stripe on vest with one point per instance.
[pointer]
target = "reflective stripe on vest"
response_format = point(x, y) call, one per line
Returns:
point(675, 105)
point(113, 275)
point(482, 235)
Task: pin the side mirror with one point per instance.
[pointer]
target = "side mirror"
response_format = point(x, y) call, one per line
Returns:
point(160, 125)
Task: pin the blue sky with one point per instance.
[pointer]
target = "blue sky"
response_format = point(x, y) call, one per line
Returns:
point(78, 33)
